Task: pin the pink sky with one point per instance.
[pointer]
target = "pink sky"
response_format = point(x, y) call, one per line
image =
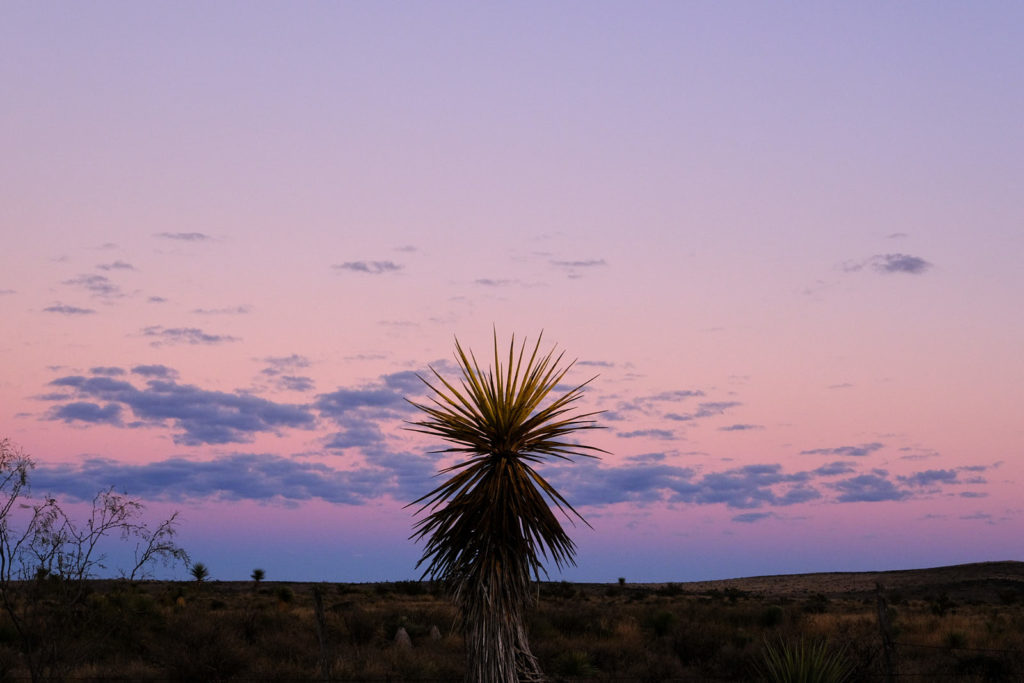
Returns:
point(787, 239)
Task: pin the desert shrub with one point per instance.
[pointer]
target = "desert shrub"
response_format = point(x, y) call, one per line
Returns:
point(956, 640)
point(660, 622)
point(986, 667)
point(771, 616)
point(575, 663)
point(816, 604)
point(561, 590)
point(942, 604)
point(362, 627)
point(410, 587)
point(284, 594)
point(199, 650)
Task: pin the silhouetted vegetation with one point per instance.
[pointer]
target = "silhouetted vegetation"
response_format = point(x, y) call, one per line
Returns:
point(227, 631)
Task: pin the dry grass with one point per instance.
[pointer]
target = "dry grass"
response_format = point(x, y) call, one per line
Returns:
point(947, 631)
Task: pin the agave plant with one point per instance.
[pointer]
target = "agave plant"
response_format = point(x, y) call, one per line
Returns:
point(803, 662)
point(490, 525)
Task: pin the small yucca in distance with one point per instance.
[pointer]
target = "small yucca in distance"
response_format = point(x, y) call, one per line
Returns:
point(490, 524)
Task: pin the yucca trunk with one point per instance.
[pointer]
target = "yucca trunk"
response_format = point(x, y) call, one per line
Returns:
point(497, 647)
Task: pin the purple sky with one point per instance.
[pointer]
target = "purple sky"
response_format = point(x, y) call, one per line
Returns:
point(786, 237)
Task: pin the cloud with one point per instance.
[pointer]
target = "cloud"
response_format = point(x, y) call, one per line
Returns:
point(586, 482)
point(277, 365)
point(183, 335)
point(899, 263)
point(244, 476)
point(156, 300)
point(83, 411)
point(183, 236)
point(371, 267)
point(488, 282)
point(108, 371)
point(197, 415)
point(235, 477)
point(868, 488)
point(596, 363)
point(984, 516)
point(572, 267)
point(834, 469)
point(646, 404)
point(64, 309)
point(161, 371)
point(646, 479)
point(97, 285)
point(854, 451)
point(740, 428)
point(751, 517)
point(116, 265)
point(931, 477)
point(358, 412)
point(7, 291)
point(706, 409)
point(295, 383)
point(230, 310)
point(890, 263)
point(647, 433)
point(587, 263)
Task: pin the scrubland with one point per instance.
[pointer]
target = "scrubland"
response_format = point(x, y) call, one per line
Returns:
point(953, 624)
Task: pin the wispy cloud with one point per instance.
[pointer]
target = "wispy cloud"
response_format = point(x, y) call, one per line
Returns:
point(647, 434)
point(489, 282)
point(705, 409)
point(751, 517)
point(740, 428)
point(584, 263)
point(183, 335)
point(853, 451)
point(97, 285)
point(183, 236)
point(7, 291)
point(574, 268)
point(116, 265)
point(370, 267)
point(229, 310)
point(65, 309)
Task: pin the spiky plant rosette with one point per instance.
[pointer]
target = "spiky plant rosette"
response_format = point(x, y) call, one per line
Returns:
point(490, 525)
point(495, 499)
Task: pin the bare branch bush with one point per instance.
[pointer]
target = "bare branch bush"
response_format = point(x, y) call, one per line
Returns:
point(47, 557)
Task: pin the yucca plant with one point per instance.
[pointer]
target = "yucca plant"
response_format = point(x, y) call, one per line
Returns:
point(490, 525)
point(803, 662)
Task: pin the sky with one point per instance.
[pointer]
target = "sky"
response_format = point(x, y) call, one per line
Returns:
point(784, 239)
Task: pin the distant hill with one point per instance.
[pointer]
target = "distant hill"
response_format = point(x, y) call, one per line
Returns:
point(980, 581)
